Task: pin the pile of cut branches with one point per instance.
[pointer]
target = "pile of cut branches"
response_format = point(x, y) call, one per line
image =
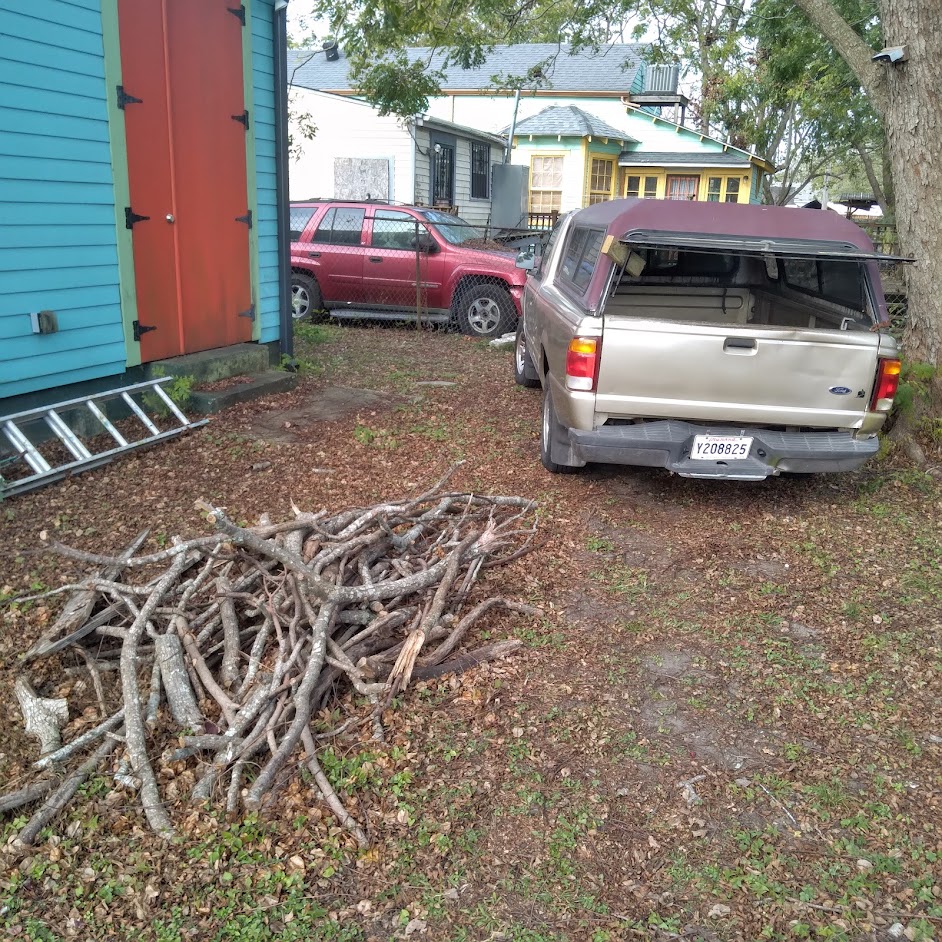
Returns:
point(225, 646)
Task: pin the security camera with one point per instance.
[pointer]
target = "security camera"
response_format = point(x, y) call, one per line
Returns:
point(891, 55)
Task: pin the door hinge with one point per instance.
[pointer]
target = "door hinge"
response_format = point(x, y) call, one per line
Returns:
point(250, 313)
point(125, 99)
point(131, 217)
point(238, 12)
point(242, 118)
point(247, 219)
point(141, 329)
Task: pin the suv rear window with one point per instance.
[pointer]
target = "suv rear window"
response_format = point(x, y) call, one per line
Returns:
point(341, 225)
point(582, 252)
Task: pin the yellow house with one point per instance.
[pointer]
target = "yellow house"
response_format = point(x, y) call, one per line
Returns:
point(576, 159)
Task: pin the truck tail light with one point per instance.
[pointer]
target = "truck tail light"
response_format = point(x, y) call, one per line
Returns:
point(582, 363)
point(886, 385)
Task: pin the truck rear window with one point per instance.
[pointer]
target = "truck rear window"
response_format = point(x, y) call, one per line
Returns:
point(841, 282)
point(582, 252)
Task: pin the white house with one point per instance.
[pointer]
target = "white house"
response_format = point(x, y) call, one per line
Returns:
point(357, 154)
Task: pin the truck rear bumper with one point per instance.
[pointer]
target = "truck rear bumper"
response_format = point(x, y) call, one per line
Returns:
point(667, 444)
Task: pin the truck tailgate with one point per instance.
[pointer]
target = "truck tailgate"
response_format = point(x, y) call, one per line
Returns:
point(761, 375)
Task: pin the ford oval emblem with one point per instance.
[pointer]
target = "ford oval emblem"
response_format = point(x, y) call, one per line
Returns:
point(839, 390)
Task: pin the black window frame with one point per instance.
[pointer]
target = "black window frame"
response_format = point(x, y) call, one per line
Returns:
point(445, 158)
point(480, 175)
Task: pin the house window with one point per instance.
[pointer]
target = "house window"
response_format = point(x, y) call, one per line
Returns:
point(682, 188)
point(600, 180)
point(341, 225)
point(634, 185)
point(480, 171)
point(546, 184)
point(716, 192)
point(443, 174)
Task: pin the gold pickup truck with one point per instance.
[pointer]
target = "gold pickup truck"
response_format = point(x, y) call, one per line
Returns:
point(715, 340)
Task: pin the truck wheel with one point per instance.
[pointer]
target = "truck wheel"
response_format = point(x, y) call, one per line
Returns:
point(305, 296)
point(484, 311)
point(525, 373)
point(553, 438)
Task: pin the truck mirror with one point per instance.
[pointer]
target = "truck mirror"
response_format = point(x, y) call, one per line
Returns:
point(526, 258)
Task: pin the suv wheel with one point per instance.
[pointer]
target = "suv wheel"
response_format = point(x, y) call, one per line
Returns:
point(525, 373)
point(484, 311)
point(553, 438)
point(305, 296)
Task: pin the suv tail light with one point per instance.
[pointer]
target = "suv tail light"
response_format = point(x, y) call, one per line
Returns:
point(582, 363)
point(886, 385)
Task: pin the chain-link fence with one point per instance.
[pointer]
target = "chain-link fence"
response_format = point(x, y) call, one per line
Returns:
point(886, 241)
point(384, 262)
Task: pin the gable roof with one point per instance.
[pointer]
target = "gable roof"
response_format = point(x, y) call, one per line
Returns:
point(568, 121)
point(612, 69)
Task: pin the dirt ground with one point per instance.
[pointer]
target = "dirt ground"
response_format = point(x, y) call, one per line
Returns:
point(725, 726)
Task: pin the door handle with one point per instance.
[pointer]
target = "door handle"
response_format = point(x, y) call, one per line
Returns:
point(313, 254)
point(740, 346)
point(373, 258)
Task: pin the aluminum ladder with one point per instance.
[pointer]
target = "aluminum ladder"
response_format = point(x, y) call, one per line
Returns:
point(15, 429)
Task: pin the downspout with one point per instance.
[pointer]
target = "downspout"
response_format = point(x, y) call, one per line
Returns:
point(280, 56)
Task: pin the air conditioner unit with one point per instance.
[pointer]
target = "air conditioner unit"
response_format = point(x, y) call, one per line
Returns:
point(661, 78)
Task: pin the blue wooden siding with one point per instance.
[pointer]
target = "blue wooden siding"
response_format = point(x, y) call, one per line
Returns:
point(57, 224)
point(263, 91)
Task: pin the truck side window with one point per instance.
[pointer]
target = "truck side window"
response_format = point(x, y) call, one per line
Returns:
point(550, 245)
point(582, 252)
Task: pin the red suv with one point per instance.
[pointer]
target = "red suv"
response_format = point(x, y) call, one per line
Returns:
point(365, 259)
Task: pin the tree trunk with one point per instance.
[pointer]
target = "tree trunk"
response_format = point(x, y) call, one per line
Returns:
point(907, 96)
point(913, 121)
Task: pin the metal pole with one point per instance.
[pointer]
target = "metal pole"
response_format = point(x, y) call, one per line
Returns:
point(418, 279)
point(513, 125)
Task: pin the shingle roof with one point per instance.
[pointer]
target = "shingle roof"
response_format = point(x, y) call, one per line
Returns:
point(611, 69)
point(568, 121)
point(732, 158)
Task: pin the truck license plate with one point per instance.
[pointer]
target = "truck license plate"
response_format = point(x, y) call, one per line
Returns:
point(720, 447)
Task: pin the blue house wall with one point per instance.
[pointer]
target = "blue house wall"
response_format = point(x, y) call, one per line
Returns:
point(59, 241)
point(58, 248)
point(263, 94)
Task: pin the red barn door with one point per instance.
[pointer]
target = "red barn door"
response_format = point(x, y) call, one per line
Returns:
point(185, 119)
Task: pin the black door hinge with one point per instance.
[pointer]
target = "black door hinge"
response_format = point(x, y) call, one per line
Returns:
point(130, 217)
point(247, 219)
point(140, 329)
point(125, 99)
point(242, 119)
point(250, 313)
point(238, 13)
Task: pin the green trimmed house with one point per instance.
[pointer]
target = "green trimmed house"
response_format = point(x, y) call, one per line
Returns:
point(144, 189)
point(576, 159)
